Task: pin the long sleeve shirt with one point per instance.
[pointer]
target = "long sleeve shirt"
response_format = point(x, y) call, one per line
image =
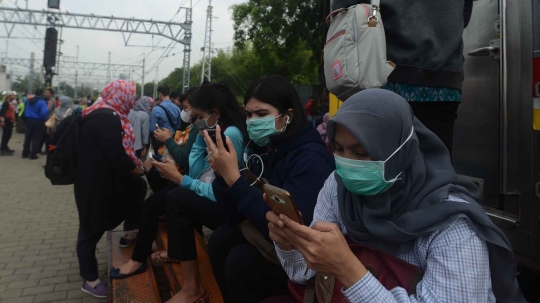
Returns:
point(198, 163)
point(180, 154)
point(159, 117)
point(454, 259)
point(141, 125)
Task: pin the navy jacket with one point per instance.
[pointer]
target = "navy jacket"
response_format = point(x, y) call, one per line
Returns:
point(301, 166)
point(36, 108)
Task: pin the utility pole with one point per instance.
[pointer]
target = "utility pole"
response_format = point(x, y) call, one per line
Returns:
point(109, 69)
point(207, 47)
point(31, 74)
point(142, 86)
point(76, 75)
point(187, 47)
point(77, 53)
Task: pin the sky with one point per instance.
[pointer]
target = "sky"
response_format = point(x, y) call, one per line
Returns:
point(94, 46)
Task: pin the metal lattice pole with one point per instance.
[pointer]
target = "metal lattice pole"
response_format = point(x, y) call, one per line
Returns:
point(207, 47)
point(187, 47)
point(142, 86)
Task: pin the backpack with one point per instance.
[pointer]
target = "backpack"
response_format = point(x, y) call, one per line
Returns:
point(355, 50)
point(61, 166)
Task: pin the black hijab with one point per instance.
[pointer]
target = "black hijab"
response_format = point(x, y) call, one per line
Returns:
point(381, 121)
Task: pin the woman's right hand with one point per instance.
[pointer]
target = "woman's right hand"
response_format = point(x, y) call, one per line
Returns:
point(277, 234)
point(162, 135)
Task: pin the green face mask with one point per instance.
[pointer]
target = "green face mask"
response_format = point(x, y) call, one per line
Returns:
point(261, 129)
point(365, 178)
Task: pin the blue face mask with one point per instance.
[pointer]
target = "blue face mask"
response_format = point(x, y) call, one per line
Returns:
point(261, 129)
point(365, 178)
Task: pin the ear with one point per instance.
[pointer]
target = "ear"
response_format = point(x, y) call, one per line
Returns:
point(217, 113)
point(290, 113)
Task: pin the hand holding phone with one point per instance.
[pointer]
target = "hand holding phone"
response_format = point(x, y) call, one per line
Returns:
point(212, 134)
point(151, 156)
point(282, 202)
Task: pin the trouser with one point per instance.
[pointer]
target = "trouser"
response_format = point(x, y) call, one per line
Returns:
point(151, 209)
point(45, 141)
point(34, 135)
point(185, 211)
point(242, 273)
point(155, 181)
point(86, 253)
point(438, 117)
point(6, 134)
point(21, 125)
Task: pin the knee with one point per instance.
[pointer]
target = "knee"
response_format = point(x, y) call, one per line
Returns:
point(219, 239)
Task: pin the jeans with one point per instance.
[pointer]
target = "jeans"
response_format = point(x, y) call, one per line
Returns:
point(6, 134)
point(35, 130)
point(242, 273)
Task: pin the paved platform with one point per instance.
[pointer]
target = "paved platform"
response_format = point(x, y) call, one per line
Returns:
point(38, 232)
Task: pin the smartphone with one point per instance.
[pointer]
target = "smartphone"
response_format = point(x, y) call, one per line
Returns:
point(151, 156)
point(282, 202)
point(212, 134)
point(157, 126)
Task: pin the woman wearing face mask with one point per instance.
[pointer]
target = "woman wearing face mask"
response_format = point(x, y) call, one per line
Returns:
point(288, 152)
point(192, 203)
point(395, 190)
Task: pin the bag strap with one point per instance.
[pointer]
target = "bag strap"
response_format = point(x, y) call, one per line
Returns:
point(167, 113)
point(376, 3)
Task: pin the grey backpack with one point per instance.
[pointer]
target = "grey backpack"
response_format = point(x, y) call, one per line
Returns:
point(355, 50)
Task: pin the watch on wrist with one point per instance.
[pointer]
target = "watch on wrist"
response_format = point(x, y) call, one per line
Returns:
point(144, 170)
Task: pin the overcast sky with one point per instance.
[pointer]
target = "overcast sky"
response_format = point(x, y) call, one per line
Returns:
point(94, 46)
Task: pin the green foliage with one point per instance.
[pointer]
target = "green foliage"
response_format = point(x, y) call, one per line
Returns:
point(20, 85)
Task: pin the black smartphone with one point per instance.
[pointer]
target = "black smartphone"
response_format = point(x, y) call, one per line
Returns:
point(151, 156)
point(212, 134)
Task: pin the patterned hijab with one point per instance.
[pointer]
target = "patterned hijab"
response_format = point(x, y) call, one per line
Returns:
point(143, 105)
point(391, 221)
point(120, 96)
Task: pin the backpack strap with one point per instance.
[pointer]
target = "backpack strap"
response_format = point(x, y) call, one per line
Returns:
point(376, 3)
point(167, 113)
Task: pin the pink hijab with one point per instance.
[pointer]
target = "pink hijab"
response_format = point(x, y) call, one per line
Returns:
point(120, 96)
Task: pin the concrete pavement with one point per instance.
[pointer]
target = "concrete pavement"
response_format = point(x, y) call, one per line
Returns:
point(38, 232)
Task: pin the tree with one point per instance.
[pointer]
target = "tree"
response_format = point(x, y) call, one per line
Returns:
point(20, 85)
point(281, 31)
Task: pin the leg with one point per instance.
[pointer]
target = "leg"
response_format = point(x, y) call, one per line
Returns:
point(248, 274)
point(30, 128)
point(184, 208)
point(6, 135)
point(86, 253)
point(222, 241)
point(438, 117)
point(38, 136)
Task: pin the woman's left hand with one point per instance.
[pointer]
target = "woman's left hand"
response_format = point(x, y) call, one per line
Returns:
point(222, 161)
point(168, 170)
point(162, 135)
point(324, 249)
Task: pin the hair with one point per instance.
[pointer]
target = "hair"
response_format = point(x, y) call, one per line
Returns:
point(39, 92)
point(188, 94)
point(50, 91)
point(164, 89)
point(278, 92)
point(218, 96)
point(174, 95)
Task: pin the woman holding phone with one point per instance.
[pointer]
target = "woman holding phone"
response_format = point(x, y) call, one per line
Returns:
point(395, 191)
point(288, 152)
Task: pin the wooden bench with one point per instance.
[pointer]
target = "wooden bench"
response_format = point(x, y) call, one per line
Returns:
point(136, 289)
point(174, 270)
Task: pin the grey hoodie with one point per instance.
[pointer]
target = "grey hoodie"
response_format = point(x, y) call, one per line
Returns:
point(424, 39)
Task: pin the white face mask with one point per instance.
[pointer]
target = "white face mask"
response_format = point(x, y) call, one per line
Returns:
point(185, 115)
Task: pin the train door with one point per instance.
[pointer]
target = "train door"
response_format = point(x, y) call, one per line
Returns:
point(495, 144)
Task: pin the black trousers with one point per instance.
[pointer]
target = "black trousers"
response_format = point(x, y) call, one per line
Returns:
point(242, 273)
point(185, 211)
point(35, 130)
point(150, 211)
point(438, 117)
point(6, 134)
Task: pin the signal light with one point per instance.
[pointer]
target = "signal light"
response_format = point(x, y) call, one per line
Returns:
point(51, 41)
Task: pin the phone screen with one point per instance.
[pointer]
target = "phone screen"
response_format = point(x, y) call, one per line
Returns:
point(212, 134)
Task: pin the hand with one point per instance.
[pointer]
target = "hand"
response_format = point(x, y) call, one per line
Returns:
point(276, 233)
point(162, 135)
point(168, 170)
point(49, 131)
point(148, 165)
point(324, 249)
point(143, 153)
point(222, 161)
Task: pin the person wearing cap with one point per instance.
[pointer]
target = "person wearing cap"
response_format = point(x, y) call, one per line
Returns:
point(7, 119)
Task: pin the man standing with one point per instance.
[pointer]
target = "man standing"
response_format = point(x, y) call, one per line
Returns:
point(51, 106)
point(7, 119)
point(165, 115)
point(36, 113)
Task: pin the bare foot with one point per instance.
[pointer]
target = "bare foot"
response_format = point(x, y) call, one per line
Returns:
point(189, 295)
point(129, 267)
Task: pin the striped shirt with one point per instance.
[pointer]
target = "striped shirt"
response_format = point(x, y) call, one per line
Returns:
point(454, 259)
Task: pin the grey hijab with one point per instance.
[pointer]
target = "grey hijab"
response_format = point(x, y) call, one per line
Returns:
point(391, 221)
point(62, 110)
point(143, 105)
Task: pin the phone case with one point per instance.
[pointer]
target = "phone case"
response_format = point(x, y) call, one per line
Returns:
point(281, 202)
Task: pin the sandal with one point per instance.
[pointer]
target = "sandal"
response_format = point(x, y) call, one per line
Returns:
point(157, 258)
point(202, 299)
